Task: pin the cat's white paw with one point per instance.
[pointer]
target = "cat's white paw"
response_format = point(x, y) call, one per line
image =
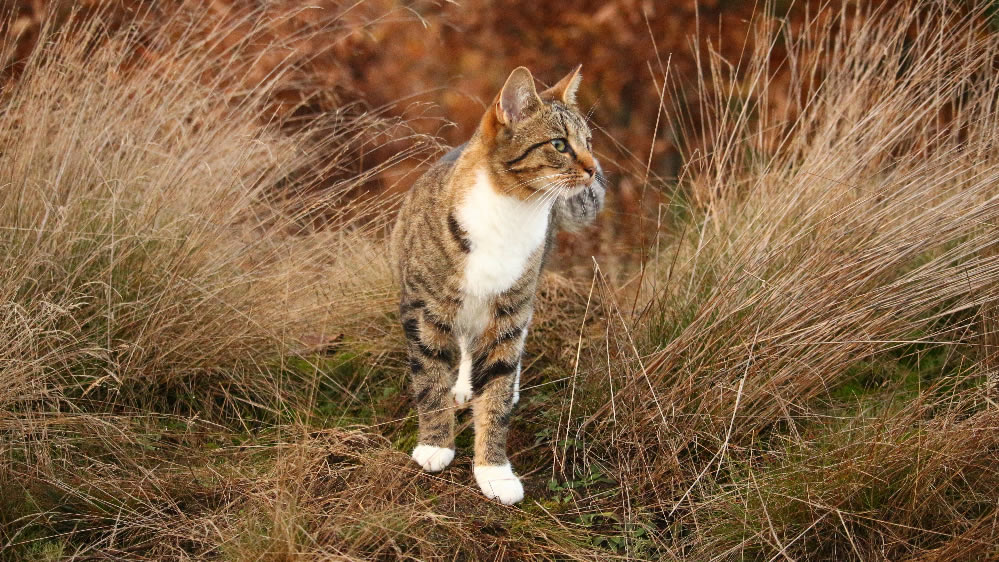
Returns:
point(461, 396)
point(499, 483)
point(461, 392)
point(431, 458)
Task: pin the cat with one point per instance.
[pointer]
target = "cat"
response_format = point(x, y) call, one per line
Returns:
point(469, 245)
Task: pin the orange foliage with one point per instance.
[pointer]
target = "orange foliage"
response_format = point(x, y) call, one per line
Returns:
point(438, 63)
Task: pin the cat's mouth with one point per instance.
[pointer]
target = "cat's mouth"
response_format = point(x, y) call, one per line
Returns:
point(568, 192)
point(582, 184)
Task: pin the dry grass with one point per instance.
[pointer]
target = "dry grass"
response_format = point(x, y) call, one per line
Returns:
point(842, 244)
point(796, 373)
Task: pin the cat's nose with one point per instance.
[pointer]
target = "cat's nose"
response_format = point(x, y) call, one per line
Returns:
point(589, 171)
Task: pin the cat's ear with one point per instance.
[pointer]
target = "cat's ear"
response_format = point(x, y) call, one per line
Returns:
point(565, 90)
point(518, 99)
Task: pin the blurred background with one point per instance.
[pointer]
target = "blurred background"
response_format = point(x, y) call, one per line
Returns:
point(434, 66)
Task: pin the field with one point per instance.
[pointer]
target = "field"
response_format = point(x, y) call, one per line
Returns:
point(779, 342)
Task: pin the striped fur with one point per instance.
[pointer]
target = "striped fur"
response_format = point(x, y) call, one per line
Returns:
point(469, 245)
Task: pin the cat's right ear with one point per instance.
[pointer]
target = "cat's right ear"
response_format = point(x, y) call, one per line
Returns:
point(565, 90)
point(518, 99)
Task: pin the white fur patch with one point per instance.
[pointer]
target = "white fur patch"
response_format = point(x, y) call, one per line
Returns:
point(499, 483)
point(516, 378)
point(431, 458)
point(504, 231)
point(462, 389)
point(473, 316)
point(516, 385)
point(472, 319)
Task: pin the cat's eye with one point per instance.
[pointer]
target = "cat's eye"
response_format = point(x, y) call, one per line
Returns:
point(560, 145)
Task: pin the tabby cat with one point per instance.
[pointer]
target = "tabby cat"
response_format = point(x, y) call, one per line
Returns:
point(469, 246)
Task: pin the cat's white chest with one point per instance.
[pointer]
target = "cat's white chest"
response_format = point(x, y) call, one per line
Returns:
point(503, 231)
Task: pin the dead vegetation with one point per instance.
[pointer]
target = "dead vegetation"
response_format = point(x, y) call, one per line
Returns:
point(201, 359)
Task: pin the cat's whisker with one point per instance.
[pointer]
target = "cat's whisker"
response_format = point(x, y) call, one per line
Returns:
point(559, 177)
point(549, 195)
point(531, 180)
point(542, 199)
point(536, 198)
point(537, 195)
point(553, 197)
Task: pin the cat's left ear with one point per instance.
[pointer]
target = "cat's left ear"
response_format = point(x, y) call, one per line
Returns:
point(518, 99)
point(565, 90)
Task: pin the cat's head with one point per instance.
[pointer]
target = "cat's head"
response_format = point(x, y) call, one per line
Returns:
point(539, 145)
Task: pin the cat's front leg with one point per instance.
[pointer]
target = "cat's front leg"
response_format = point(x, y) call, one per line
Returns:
point(491, 411)
point(495, 375)
point(433, 356)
